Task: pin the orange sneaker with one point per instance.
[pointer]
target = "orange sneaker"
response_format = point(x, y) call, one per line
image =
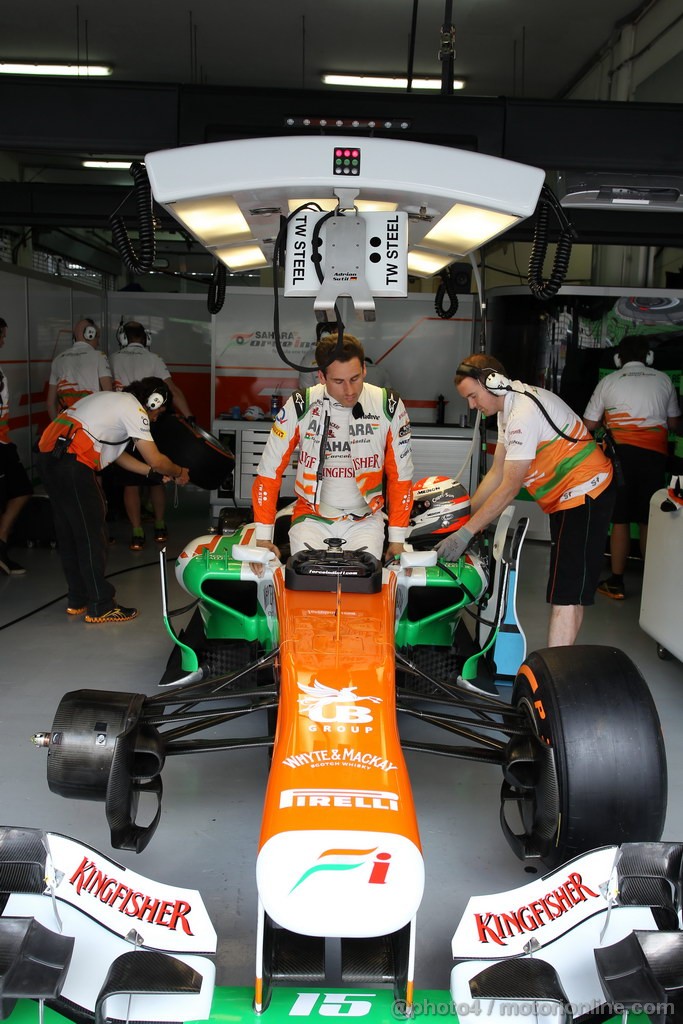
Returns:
point(117, 614)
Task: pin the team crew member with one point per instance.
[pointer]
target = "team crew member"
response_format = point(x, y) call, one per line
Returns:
point(15, 486)
point(89, 436)
point(350, 436)
point(543, 446)
point(638, 405)
point(134, 362)
point(79, 371)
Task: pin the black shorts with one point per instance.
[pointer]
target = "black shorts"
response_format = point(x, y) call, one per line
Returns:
point(577, 550)
point(117, 476)
point(644, 473)
point(14, 481)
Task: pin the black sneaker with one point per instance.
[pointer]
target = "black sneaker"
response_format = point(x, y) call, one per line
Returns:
point(8, 565)
point(612, 588)
point(117, 614)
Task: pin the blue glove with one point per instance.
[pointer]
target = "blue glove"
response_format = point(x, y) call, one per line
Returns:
point(453, 547)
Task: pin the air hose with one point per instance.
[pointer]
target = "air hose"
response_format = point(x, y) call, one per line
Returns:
point(539, 286)
point(138, 264)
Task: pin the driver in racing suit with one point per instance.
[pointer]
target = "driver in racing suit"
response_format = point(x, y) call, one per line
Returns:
point(349, 436)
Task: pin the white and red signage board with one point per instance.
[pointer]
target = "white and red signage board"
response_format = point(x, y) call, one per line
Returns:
point(165, 917)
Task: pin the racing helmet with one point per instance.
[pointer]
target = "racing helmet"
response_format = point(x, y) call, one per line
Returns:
point(440, 506)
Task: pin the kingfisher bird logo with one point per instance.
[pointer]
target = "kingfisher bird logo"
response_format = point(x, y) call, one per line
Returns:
point(350, 860)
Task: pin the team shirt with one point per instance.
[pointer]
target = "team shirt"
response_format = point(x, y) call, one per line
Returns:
point(100, 427)
point(562, 472)
point(76, 372)
point(135, 362)
point(636, 402)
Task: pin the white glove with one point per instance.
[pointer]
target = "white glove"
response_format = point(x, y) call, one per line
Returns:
point(453, 547)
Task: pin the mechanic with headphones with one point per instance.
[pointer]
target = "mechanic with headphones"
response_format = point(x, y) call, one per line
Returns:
point(77, 444)
point(132, 362)
point(543, 446)
point(80, 370)
point(638, 405)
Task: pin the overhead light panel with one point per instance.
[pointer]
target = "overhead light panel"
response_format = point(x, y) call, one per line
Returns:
point(214, 221)
point(465, 228)
point(107, 165)
point(388, 82)
point(362, 205)
point(422, 263)
point(242, 257)
point(68, 70)
point(231, 193)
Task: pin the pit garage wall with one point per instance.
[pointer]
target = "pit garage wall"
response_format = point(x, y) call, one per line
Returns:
point(417, 350)
point(226, 360)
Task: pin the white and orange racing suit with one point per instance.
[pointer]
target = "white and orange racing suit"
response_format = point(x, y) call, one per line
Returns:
point(361, 448)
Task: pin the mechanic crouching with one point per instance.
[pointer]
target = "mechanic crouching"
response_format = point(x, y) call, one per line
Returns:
point(543, 446)
point(88, 436)
point(352, 438)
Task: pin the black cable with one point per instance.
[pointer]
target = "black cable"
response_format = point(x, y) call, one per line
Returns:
point(141, 263)
point(447, 287)
point(567, 437)
point(278, 255)
point(540, 287)
point(216, 295)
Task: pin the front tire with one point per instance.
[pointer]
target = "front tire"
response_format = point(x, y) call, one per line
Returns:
point(593, 771)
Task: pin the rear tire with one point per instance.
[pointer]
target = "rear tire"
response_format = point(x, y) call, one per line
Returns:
point(593, 772)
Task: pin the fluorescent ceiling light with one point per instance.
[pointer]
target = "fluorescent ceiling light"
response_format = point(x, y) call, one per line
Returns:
point(108, 165)
point(362, 205)
point(388, 81)
point(242, 257)
point(71, 70)
point(214, 221)
point(425, 264)
point(465, 228)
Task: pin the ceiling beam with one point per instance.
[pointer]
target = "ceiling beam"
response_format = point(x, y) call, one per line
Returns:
point(131, 119)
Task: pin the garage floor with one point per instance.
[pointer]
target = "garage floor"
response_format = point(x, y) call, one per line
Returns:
point(212, 804)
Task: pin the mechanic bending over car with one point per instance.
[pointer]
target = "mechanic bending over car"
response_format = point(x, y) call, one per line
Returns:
point(350, 436)
point(83, 439)
point(543, 446)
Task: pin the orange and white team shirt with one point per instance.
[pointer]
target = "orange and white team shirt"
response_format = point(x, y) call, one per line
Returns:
point(76, 372)
point(563, 472)
point(635, 402)
point(100, 427)
point(360, 452)
point(135, 362)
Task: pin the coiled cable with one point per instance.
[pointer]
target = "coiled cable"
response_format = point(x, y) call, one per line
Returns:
point(446, 288)
point(142, 263)
point(216, 295)
point(540, 287)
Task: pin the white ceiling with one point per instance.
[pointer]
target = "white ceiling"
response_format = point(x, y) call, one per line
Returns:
point(531, 48)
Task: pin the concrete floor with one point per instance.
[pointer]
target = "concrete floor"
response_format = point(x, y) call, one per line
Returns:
point(212, 804)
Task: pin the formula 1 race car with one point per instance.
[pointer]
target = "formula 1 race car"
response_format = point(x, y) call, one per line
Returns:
point(334, 646)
